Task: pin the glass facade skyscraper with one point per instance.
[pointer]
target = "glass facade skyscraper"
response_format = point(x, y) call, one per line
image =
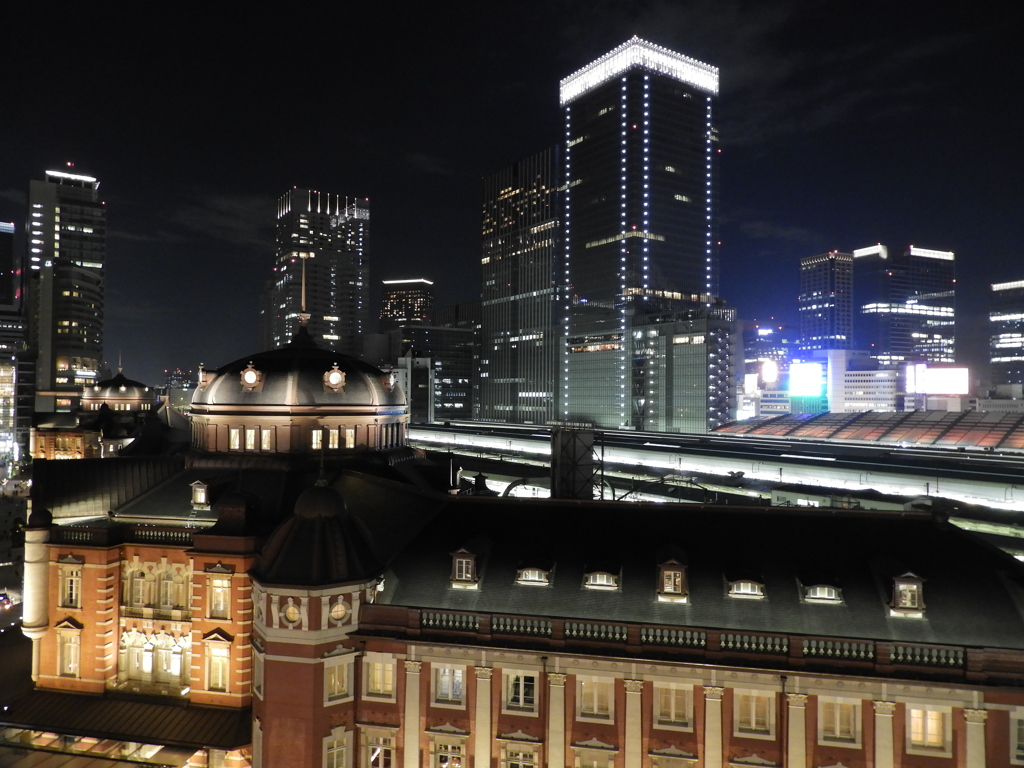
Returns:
point(521, 242)
point(640, 247)
point(67, 236)
point(329, 236)
point(826, 310)
point(1006, 329)
point(905, 304)
point(406, 302)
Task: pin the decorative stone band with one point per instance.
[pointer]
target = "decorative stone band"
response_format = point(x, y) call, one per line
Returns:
point(413, 667)
point(712, 693)
point(797, 700)
point(483, 673)
point(634, 686)
point(887, 708)
point(975, 715)
point(556, 678)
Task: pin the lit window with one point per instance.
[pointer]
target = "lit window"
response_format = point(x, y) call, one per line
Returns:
point(220, 594)
point(336, 679)
point(672, 585)
point(746, 588)
point(823, 593)
point(250, 439)
point(266, 440)
point(839, 720)
point(448, 685)
point(926, 728)
point(533, 576)
point(71, 586)
point(219, 658)
point(316, 439)
point(520, 690)
point(515, 756)
point(380, 675)
point(601, 580)
point(257, 673)
point(673, 704)
point(464, 569)
point(594, 697)
point(235, 439)
point(448, 752)
point(333, 441)
point(200, 496)
point(335, 749)
point(380, 752)
point(350, 438)
point(753, 713)
point(907, 596)
point(69, 644)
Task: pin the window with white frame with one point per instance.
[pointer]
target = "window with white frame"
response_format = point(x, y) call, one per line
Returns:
point(333, 439)
point(316, 439)
point(532, 577)
point(138, 589)
point(448, 752)
point(448, 685)
point(753, 713)
point(69, 648)
point(593, 758)
point(747, 588)
point(200, 494)
point(822, 593)
point(520, 691)
point(336, 749)
point(673, 705)
point(266, 439)
point(350, 438)
point(235, 439)
point(71, 586)
point(169, 591)
point(838, 721)
point(672, 585)
point(218, 660)
point(928, 729)
point(337, 679)
point(594, 696)
point(380, 751)
point(907, 596)
point(220, 596)
point(250, 438)
point(257, 673)
point(519, 756)
point(379, 675)
point(601, 580)
point(1017, 737)
point(464, 569)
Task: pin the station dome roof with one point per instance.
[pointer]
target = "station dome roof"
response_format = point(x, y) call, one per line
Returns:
point(300, 374)
point(119, 388)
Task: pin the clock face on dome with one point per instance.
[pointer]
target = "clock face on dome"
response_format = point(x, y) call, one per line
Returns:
point(249, 377)
point(334, 377)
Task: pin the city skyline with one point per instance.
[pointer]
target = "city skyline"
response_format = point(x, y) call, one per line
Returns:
point(836, 131)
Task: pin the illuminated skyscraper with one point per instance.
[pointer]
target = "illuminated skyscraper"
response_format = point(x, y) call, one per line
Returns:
point(406, 302)
point(905, 304)
point(640, 173)
point(1006, 329)
point(826, 312)
point(67, 240)
point(329, 235)
point(521, 240)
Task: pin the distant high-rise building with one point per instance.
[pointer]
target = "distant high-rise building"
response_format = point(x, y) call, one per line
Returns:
point(826, 301)
point(67, 230)
point(328, 236)
point(10, 268)
point(1006, 333)
point(406, 302)
point(521, 244)
point(905, 304)
point(640, 174)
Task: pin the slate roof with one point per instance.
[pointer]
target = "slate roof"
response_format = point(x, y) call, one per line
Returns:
point(972, 591)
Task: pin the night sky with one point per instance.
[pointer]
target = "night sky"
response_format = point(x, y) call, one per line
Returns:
point(843, 124)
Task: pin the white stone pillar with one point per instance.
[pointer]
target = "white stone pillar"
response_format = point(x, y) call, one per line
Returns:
point(713, 726)
point(796, 731)
point(412, 714)
point(634, 726)
point(975, 737)
point(35, 596)
point(884, 747)
point(556, 719)
point(482, 720)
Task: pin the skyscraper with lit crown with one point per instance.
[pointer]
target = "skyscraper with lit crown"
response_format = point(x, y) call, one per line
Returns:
point(328, 236)
point(640, 178)
point(67, 251)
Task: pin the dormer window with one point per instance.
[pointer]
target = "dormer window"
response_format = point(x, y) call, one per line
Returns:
point(200, 495)
point(464, 569)
point(822, 593)
point(672, 586)
point(602, 579)
point(907, 596)
point(533, 576)
point(746, 588)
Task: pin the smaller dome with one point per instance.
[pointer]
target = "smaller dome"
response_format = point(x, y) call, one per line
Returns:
point(119, 388)
point(320, 501)
point(40, 518)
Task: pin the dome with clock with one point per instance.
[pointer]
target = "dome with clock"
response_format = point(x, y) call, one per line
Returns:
point(298, 399)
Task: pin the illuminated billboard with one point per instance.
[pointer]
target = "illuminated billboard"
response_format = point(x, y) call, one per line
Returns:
point(769, 372)
point(806, 380)
point(922, 380)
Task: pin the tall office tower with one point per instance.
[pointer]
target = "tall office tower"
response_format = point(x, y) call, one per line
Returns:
point(905, 304)
point(406, 302)
point(826, 296)
point(10, 269)
point(1006, 327)
point(15, 422)
point(67, 234)
point(640, 172)
point(521, 242)
point(328, 236)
